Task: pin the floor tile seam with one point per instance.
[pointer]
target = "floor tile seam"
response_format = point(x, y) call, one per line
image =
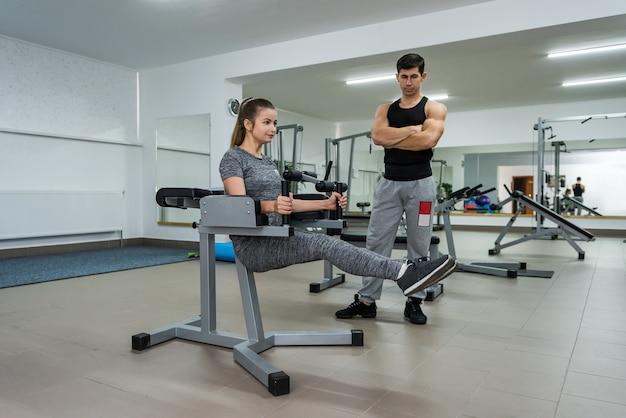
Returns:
point(555, 402)
point(537, 372)
point(616, 379)
point(569, 363)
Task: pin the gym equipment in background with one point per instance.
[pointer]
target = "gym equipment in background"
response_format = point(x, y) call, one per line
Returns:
point(508, 270)
point(237, 215)
point(563, 226)
point(576, 204)
point(296, 146)
point(541, 127)
point(438, 226)
point(333, 148)
point(323, 186)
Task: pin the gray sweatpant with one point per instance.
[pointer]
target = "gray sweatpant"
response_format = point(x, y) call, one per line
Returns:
point(392, 199)
point(269, 253)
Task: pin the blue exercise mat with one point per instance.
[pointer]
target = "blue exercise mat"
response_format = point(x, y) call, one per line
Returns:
point(42, 268)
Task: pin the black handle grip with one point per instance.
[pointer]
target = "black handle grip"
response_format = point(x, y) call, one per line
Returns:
point(294, 175)
point(328, 168)
point(284, 190)
point(341, 188)
point(471, 192)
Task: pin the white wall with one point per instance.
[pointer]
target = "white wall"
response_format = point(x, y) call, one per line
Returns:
point(67, 124)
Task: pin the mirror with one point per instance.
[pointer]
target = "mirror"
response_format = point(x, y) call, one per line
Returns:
point(600, 164)
point(183, 151)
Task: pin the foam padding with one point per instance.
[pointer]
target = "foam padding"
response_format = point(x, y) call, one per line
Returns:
point(224, 251)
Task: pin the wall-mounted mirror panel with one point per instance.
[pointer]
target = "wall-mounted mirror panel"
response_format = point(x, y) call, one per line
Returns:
point(600, 168)
point(183, 160)
point(600, 172)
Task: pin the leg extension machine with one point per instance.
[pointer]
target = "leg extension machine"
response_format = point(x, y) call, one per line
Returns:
point(235, 215)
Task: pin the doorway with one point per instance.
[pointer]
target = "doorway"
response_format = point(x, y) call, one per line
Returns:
point(525, 185)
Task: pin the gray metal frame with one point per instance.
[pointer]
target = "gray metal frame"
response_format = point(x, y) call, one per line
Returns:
point(577, 204)
point(563, 227)
point(267, 148)
point(335, 142)
point(509, 270)
point(236, 215)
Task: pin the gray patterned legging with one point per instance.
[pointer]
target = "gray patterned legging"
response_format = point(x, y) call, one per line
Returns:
point(269, 253)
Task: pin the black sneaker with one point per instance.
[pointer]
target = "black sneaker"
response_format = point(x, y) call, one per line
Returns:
point(357, 308)
point(420, 275)
point(413, 311)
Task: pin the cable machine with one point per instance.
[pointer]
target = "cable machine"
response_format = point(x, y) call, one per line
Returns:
point(541, 127)
point(296, 146)
point(440, 197)
point(330, 142)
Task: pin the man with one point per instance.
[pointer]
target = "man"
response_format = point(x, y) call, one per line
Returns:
point(408, 129)
point(578, 188)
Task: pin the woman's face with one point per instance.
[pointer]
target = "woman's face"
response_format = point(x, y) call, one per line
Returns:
point(264, 128)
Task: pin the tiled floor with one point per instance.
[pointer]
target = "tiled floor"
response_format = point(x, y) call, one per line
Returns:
point(493, 347)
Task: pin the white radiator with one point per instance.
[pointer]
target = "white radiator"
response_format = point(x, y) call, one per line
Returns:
point(34, 214)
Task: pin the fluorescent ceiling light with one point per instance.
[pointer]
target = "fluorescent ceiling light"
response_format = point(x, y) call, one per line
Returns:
point(596, 81)
point(371, 79)
point(587, 51)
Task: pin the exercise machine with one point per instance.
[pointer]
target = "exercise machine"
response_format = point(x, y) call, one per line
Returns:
point(237, 215)
point(330, 278)
point(563, 226)
point(333, 148)
point(322, 186)
point(508, 270)
point(438, 226)
point(575, 204)
point(296, 146)
point(359, 239)
point(561, 202)
point(543, 126)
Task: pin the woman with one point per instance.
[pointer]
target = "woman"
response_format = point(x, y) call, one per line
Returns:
point(246, 171)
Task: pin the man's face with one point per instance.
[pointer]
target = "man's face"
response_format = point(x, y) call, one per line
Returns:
point(410, 80)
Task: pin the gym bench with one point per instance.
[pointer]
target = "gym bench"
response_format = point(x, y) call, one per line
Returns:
point(563, 226)
point(236, 215)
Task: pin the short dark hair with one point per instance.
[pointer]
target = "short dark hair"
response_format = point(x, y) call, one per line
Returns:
point(408, 61)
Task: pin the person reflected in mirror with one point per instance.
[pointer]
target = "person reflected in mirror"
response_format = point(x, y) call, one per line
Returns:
point(567, 207)
point(578, 188)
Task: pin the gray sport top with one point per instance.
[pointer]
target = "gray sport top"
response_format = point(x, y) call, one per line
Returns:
point(260, 176)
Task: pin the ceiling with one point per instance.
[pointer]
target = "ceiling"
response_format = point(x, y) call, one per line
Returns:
point(491, 72)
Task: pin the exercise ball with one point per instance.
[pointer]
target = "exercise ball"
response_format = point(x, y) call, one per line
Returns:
point(483, 200)
point(224, 251)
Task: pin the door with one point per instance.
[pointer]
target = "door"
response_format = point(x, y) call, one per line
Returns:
point(523, 184)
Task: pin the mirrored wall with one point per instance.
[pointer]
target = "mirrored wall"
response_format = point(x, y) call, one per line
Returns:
point(601, 170)
point(183, 160)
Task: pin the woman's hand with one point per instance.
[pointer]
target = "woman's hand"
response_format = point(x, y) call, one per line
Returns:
point(284, 205)
point(342, 199)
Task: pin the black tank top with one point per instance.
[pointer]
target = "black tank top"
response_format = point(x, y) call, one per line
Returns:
point(577, 189)
point(404, 165)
